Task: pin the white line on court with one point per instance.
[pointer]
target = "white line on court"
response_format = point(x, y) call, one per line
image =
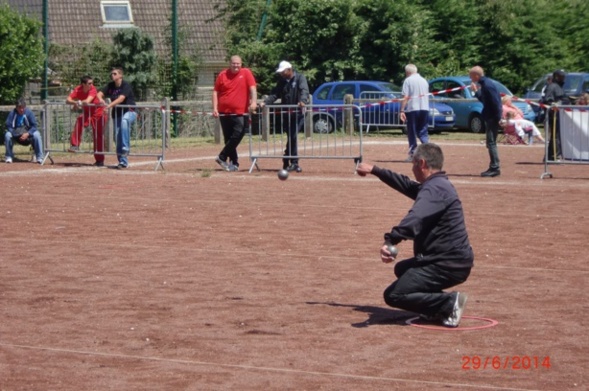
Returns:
point(260, 368)
point(475, 181)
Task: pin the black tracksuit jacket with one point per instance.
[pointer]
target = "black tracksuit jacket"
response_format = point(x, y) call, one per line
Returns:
point(435, 222)
point(290, 92)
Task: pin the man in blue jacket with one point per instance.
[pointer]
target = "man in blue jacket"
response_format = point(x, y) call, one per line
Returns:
point(442, 255)
point(21, 126)
point(486, 91)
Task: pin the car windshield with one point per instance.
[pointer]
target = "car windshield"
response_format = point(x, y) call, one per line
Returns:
point(539, 84)
point(389, 87)
point(571, 83)
point(502, 89)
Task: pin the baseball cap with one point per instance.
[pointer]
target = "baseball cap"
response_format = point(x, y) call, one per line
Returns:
point(284, 65)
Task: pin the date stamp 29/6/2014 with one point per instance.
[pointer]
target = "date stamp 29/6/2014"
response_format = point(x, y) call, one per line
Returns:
point(513, 363)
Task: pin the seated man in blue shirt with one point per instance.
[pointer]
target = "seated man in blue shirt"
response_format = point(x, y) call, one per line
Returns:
point(21, 126)
point(442, 255)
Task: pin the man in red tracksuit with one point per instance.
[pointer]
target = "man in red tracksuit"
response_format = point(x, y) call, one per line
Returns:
point(81, 97)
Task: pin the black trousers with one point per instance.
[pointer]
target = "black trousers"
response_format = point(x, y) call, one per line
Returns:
point(491, 132)
point(420, 285)
point(292, 124)
point(554, 144)
point(234, 128)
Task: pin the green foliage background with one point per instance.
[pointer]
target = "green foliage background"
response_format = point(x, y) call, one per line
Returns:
point(514, 41)
point(21, 53)
point(189, 61)
point(134, 52)
point(73, 62)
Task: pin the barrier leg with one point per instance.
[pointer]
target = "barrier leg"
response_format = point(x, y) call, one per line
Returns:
point(254, 164)
point(160, 163)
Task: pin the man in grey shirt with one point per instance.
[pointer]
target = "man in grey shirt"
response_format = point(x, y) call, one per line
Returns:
point(415, 108)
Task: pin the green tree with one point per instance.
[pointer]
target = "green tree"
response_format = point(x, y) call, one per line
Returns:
point(134, 52)
point(514, 41)
point(21, 53)
point(393, 34)
point(243, 21)
point(72, 62)
point(189, 61)
point(456, 31)
point(324, 48)
point(572, 26)
point(521, 39)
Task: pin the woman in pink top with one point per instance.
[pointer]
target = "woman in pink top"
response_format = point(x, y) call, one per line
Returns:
point(508, 107)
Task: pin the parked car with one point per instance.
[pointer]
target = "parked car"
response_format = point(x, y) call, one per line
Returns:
point(575, 85)
point(466, 107)
point(380, 105)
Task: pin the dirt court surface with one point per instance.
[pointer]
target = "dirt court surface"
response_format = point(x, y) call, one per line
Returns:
point(193, 278)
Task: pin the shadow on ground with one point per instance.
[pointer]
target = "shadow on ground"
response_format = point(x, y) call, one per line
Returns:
point(376, 315)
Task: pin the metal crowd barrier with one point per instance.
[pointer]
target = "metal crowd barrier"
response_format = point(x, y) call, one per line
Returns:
point(192, 118)
point(569, 128)
point(147, 134)
point(324, 132)
point(383, 109)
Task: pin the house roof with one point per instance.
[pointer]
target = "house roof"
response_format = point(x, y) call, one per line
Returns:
point(80, 21)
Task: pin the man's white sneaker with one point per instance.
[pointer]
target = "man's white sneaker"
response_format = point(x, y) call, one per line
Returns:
point(223, 164)
point(8, 160)
point(454, 319)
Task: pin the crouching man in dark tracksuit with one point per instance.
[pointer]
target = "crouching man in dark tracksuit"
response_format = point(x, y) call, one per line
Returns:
point(443, 256)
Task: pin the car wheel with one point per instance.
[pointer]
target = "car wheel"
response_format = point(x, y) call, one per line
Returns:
point(323, 124)
point(476, 123)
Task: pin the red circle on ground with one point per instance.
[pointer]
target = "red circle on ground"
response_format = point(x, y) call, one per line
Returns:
point(486, 324)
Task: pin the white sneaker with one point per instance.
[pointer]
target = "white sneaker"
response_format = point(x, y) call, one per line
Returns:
point(454, 319)
point(8, 159)
point(223, 164)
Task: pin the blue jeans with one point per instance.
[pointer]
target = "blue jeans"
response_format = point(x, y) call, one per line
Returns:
point(417, 127)
point(123, 135)
point(35, 139)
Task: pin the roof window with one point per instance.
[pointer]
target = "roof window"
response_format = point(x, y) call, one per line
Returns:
point(116, 13)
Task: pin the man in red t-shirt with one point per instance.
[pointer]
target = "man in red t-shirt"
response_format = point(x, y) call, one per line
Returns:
point(81, 97)
point(234, 96)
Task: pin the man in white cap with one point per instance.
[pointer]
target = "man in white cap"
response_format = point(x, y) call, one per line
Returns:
point(292, 89)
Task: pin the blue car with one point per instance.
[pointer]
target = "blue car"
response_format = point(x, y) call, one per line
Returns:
point(380, 105)
point(466, 107)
